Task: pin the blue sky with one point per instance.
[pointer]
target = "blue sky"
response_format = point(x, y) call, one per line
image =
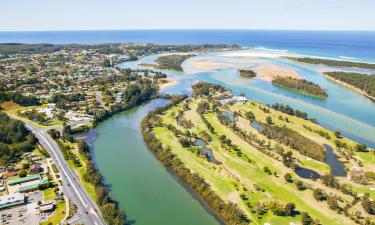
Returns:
point(186, 14)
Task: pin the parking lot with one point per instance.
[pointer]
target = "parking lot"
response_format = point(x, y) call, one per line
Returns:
point(26, 214)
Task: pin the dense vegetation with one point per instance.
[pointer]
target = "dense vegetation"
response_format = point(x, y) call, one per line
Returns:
point(247, 73)
point(364, 82)
point(295, 140)
point(203, 88)
point(62, 99)
point(18, 98)
point(15, 139)
point(138, 92)
point(331, 62)
point(172, 62)
point(229, 212)
point(289, 110)
point(16, 48)
point(300, 85)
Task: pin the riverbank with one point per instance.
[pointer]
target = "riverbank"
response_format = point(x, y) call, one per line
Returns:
point(207, 197)
point(349, 86)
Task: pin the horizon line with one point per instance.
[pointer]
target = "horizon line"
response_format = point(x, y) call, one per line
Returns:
point(195, 29)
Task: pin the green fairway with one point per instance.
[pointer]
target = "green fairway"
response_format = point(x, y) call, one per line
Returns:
point(240, 177)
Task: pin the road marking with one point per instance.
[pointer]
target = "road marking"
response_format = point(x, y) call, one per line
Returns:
point(66, 174)
point(62, 168)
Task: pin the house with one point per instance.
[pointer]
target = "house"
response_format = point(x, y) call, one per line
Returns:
point(8, 201)
point(24, 179)
point(36, 168)
point(47, 206)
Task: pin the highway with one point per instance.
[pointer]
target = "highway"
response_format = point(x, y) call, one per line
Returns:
point(88, 212)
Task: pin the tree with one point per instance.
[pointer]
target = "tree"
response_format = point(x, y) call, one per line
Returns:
point(288, 178)
point(332, 202)
point(368, 205)
point(330, 181)
point(306, 219)
point(269, 120)
point(288, 159)
point(300, 185)
point(337, 134)
point(107, 63)
point(54, 134)
point(289, 209)
point(320, 195)
point(267, 170)
point(250, 115)
point(22, 173)
point(276, 208)
point(360, 148)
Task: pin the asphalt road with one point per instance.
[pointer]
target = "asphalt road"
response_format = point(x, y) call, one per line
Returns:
point(88, 212)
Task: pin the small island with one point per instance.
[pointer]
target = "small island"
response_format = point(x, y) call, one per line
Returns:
point(363, 83)
point(247, 73)
point(300, 85)
point(332, 62)
point(172, 62)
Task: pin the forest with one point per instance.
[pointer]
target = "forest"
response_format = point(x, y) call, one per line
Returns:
point(15, 139)
point(18, 98)
point(172, 62)
point(203, 88)
point(331, 62)
point(300, 85)
point(295, 140)
point(364, 82)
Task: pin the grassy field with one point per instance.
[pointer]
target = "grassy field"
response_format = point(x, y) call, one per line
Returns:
point(81, 171)
point(49, 194)
point(241, 178)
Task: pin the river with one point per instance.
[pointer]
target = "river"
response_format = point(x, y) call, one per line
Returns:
point(150, 194)
point(139, 182)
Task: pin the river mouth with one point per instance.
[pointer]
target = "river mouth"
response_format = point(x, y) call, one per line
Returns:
point(124, 160)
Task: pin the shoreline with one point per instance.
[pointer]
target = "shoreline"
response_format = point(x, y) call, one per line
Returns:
point(300, 92)
point(169, 83)
point(349, 86)
point(171, 172)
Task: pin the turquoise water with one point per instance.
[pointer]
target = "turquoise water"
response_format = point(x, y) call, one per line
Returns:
point(357, 45)
point(344, 109)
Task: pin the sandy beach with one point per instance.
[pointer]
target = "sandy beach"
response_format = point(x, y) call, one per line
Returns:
point(350, 86)
point(168, 83)
point(244, 59)
point(268, 71)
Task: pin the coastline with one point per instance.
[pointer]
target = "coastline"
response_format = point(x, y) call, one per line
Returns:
point(350, 86)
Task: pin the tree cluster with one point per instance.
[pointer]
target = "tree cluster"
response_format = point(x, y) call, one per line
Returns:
point(300, 85)
point(15, 139)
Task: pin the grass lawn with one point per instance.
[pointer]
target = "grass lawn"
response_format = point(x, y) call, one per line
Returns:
point(236, 175)
point(49, 194)
point(81, 171)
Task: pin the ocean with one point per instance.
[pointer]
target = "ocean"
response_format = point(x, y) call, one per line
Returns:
point(346, 45)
